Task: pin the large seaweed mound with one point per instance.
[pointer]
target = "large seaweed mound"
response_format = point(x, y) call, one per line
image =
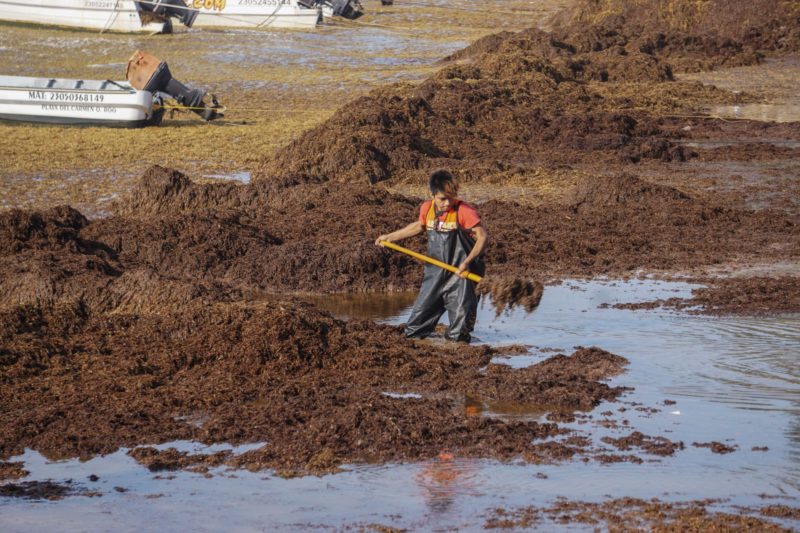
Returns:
point(694, 34)
point(276, 372)
point(522, 98)
point(522, 103)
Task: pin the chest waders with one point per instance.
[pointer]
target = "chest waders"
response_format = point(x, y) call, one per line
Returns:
point(442, 290)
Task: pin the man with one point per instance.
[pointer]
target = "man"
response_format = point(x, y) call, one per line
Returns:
point(456, 237)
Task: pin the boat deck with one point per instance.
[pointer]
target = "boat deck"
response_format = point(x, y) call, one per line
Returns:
point(22, 82)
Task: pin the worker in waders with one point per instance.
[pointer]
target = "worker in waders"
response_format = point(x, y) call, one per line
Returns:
point(456, 237)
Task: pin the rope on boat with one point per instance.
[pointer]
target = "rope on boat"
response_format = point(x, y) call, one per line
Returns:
point(111, 18)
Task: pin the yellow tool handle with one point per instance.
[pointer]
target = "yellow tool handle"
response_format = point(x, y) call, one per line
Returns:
point(470, 276)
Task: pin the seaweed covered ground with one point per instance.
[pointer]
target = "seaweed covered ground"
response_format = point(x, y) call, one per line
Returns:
point(587, 154)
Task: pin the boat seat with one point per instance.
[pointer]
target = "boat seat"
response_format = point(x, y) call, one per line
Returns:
point(78, 84)
point(51, 83)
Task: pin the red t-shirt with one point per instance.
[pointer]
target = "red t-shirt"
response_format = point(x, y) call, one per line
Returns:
point(468, 217)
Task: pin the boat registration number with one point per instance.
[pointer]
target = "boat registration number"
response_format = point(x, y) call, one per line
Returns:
point(65, 96)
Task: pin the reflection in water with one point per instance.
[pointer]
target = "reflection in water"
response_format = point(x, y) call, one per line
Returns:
point(503, 409)
point(372, 305)
point(445, 479)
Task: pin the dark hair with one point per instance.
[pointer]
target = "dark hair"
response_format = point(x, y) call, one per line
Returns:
point(443, 181)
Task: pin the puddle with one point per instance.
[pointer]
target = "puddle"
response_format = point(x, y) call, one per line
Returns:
point(763, 112)
point(775, 78)
point(732, 380)
point(710, 145)
point(242, 177)
point(759, 184)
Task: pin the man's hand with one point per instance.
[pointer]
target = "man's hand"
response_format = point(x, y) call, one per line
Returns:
point(462, 269)
point(415, 228)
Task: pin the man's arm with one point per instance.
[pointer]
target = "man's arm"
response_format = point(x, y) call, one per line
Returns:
point(415, 228)
point(481, 238)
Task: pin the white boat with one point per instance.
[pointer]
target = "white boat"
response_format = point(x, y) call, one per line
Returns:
point(153, 16)
point(133, 103)
point(254, 14)
point(85, 102)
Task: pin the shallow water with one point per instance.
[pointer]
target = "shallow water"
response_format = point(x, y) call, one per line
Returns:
point(787, 112)
point(775, 79)
point(733, 380)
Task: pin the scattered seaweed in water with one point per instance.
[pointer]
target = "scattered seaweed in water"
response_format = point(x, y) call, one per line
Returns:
point(652, 445)
point(781, 511)
point(751, 296)
point(716, 447)
point(12, 470)
point(633, 514)
point(37, 490)
point(172, 459)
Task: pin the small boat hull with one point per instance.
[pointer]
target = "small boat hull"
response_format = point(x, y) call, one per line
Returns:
point(79, 102)
point(254, 14)
point(101, 15)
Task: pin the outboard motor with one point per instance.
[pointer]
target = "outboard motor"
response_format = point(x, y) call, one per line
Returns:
point(170, 8)
point(349, 9)
point(148, 73)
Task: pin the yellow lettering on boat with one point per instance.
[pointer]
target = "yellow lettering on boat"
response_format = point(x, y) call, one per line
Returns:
point(216, 5)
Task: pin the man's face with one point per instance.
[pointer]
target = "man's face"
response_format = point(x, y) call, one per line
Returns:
point(442, 201)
